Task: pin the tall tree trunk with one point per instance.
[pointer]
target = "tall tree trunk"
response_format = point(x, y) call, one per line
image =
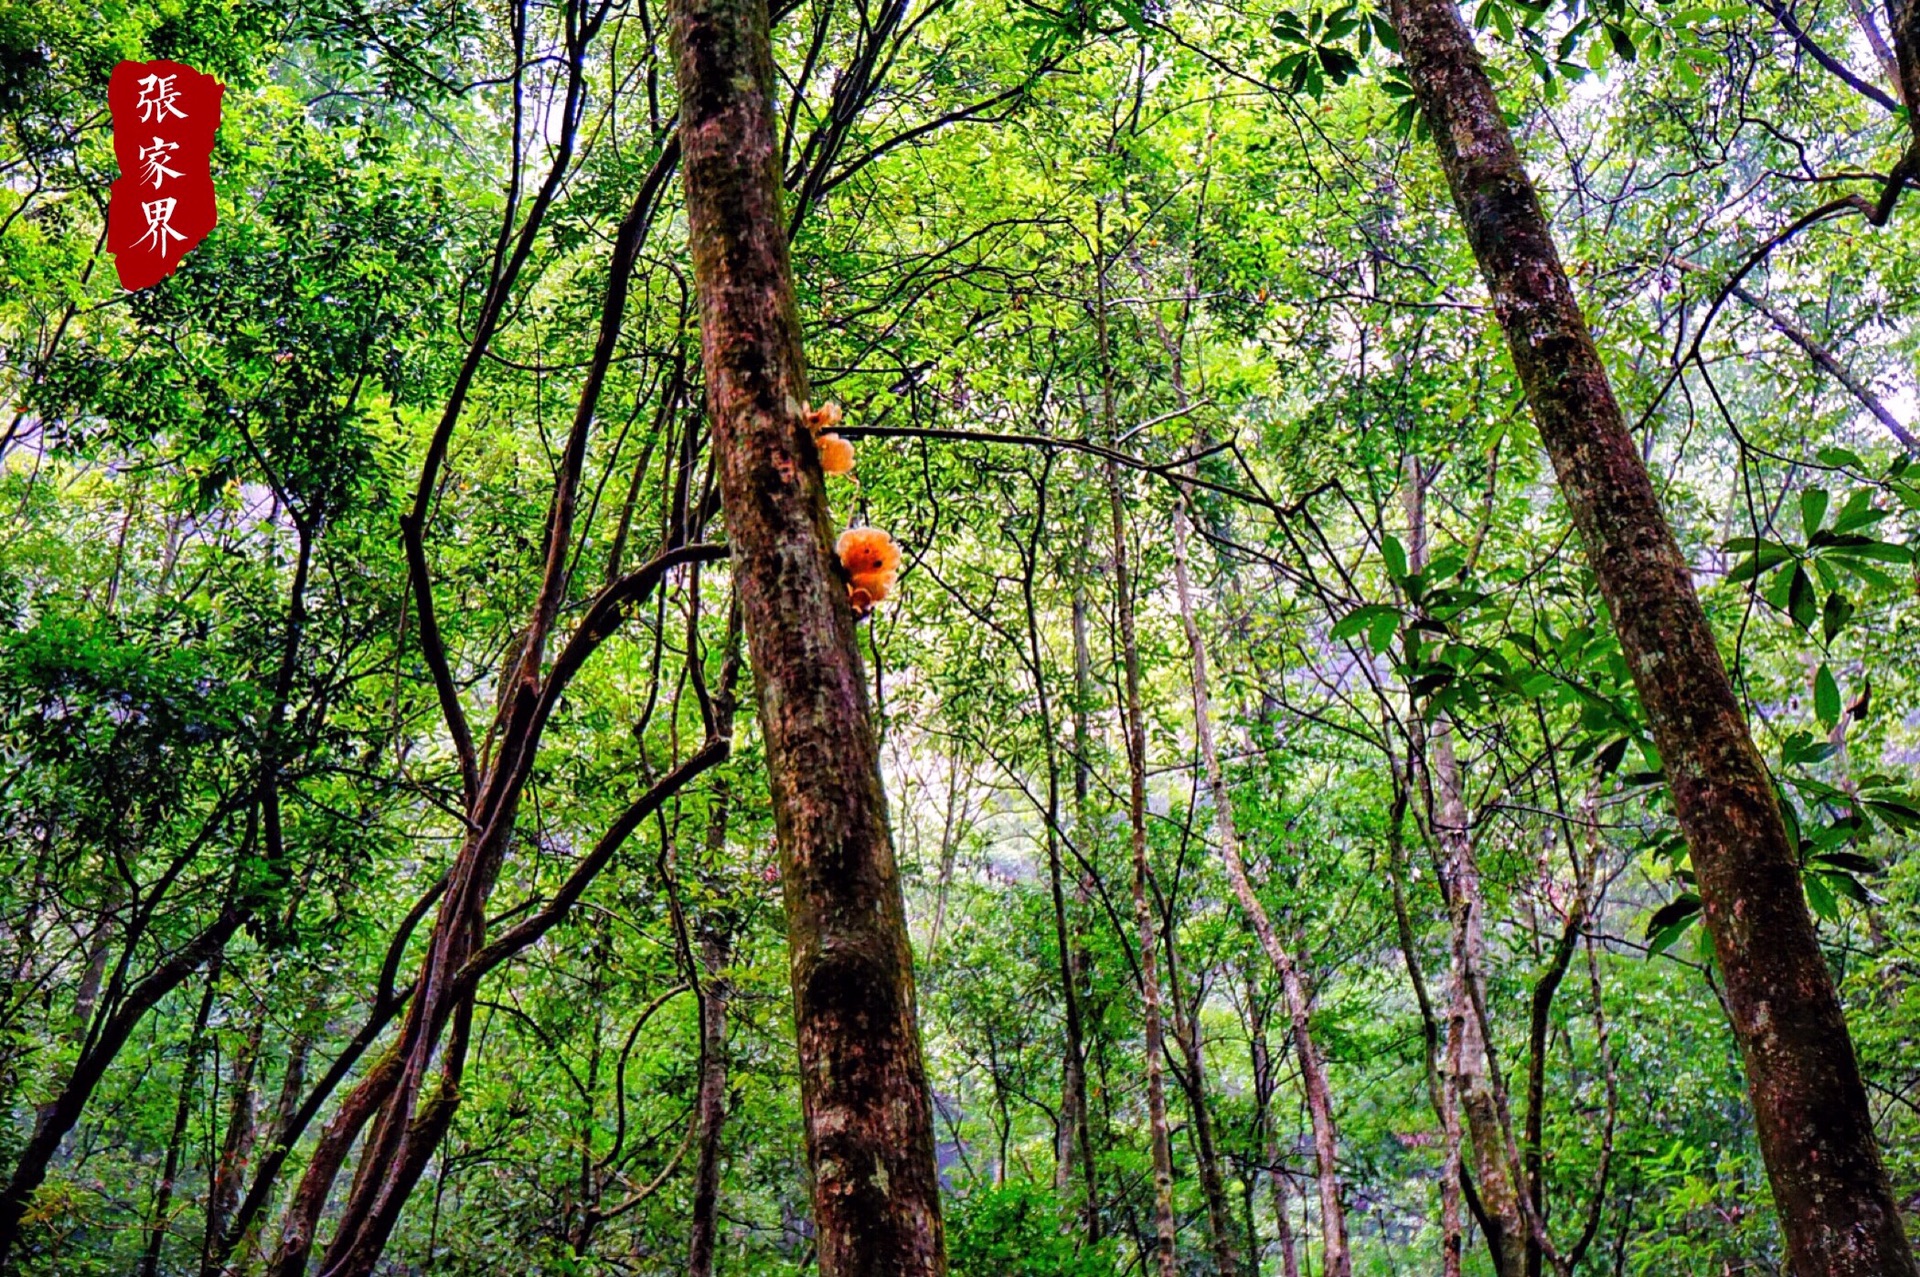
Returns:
point(236, 1231)
point(1147, 933)
point(1313, 1075)
point(1135, 724)
point(1810, 1108)
point(1072, 1142)
point(716, 951)
point(1080, 973)
point(716, 944)
point(868, 1113)
point(1469, 1087)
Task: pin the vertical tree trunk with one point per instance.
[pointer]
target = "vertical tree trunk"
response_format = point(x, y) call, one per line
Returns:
point(716, 951)
point(1081, 967)
point(1135, 725)
point(1313, 1075)
point(1903, 18)
point(1213, 1185)
point(1453, 1232)
point(1267, 1132)
point(1468, 1087)
point(1147, 933)
point(237, 1237)
point(868, 1114)
point(1072, 1143)
point(711, 1104)
point(1810, 1107)
point(236, 1150)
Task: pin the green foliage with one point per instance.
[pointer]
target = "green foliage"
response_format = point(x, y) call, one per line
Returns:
point(1211, 238)
point(1014, 1231)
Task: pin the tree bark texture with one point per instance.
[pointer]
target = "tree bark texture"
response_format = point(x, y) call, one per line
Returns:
point(1816, 1134)
point(867, 1109)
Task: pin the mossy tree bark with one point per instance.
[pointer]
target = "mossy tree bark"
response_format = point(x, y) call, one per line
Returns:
point(1810, 1108)
point(869, 1118)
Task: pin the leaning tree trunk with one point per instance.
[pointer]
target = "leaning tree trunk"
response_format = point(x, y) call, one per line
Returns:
point(863, 1085)
point(1816, 1134)
point(1337, 1261)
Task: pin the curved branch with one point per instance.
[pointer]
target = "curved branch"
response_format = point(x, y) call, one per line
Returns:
point(469, 976)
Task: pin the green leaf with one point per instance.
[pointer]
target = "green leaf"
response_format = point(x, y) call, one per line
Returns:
point(1380, 633)
point(1801, 601)
point(1896, 812)
point(1622, 42)
point(1820, 897)
point(1840, 458)
point(1396, 557)
point(1847, 885)
point(1851, 861)
point(1356, 621)
point(1826, 696)
point(1834, 615)
point(1376, 620)
point(1858, 512)
point(1670, 922)
point(1765, 556)
point(1813, 510)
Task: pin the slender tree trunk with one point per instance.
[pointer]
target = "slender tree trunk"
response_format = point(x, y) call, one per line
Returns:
point(1080, 974)
point(1134, 719)
point(236, 1231)
point(1313, 1075)
point(716, 951)
point(1470, 1091)
point(864, 1096)
point(711, 1104)
point(1453, 1232)
point(1148, 936)
point(1213, 1185)
point(182, 1111)
point(225, 1176)
point(1267, 1132)
point(1071, 1142)
point(1810, 1108)
point(1282, 1204)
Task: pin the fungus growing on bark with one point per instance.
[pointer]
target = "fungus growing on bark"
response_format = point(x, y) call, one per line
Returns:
point(836, 454)
point(872, 561)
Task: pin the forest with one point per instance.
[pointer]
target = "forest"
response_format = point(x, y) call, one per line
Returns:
point(1000, 638)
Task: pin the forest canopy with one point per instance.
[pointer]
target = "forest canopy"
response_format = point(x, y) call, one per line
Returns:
point(966, 636)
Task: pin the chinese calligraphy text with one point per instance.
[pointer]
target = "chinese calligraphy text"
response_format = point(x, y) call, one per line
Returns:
point(164, 118)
